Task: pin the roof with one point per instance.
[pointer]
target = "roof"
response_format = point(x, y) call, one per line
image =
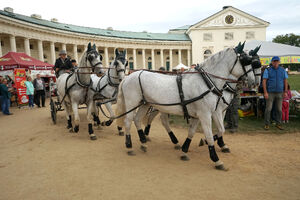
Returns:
point(270, 49)
point(185, 27)
point(98, 31)
point(13, 59)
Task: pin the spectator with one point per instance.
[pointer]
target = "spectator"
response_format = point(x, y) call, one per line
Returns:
point(74, 64)
point(40, 90)
point(286, 105)
point(5, 91)
point(29, 91)
point(274, 86)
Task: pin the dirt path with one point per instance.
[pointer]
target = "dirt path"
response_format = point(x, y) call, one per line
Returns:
point(39, 160)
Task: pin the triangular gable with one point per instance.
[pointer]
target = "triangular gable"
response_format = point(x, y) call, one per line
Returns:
point(240, 18)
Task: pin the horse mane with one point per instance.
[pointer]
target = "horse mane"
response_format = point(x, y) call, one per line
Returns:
point(215, 59)
point(82, 60)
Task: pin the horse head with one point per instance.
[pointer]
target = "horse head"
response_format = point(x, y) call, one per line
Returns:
point(256, 65)
point(120, 64)
point(94, 59)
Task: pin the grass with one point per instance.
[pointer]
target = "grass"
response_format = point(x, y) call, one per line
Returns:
point(294, 82)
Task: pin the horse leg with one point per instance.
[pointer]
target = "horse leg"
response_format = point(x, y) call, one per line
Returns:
point(206, 124)
point(76, 116)
point(186, 145)
point(69, 117)
point(127, 122)
point(138, 123)
point(111, 114)
point(150, 118)
point(90, 109)
point(165, 122)
point(96, 116)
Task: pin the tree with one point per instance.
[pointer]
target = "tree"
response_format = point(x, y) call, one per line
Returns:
point(289, 39)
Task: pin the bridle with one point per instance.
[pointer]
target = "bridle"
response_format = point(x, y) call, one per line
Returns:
point(242, 59)
point(116, 64)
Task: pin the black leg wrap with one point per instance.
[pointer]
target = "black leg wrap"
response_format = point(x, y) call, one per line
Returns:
point(142, 136)
point(109, 122)
point(69, 123)
point(128, 142)
point(96, 119)
point(186, 145)
point(215, 137)
point(212, 153)
point(173, 137)
point(221, 142)
point(91, 129)
point(119, 128)
point(76, 128)
point(147, 129)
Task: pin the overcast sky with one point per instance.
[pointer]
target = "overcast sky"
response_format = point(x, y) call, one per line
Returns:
point(157, 15)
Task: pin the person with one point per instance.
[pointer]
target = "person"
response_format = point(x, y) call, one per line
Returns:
point(74, 63)
point(40, 90)
point(274, 86)
point(62, 64)
point(286, 105)
point(29, 91)
point(6, 95)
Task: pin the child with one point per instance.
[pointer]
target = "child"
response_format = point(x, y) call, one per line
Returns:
point(29, 91)
point(285, 105)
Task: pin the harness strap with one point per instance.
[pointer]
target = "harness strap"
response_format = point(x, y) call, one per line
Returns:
point(140, 82)
point(181, 95)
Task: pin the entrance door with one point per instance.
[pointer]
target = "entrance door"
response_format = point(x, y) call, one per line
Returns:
point(168, 65)
point(150, 65)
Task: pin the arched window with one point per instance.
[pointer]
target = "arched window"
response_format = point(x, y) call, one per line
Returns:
point(207, 53)
point(131, 58)
point(168, 58)
point(149, 58)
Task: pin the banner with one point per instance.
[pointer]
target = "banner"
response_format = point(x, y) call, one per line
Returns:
point(283, 60)
point(20, 78)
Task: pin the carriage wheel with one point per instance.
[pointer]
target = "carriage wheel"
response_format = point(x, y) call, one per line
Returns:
point(53, 111)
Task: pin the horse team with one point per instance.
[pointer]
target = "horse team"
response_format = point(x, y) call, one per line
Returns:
point(201, 95)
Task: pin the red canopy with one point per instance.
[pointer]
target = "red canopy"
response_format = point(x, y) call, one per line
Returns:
point(13, 60)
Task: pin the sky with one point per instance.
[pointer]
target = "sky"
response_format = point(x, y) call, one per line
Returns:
point(158, 15)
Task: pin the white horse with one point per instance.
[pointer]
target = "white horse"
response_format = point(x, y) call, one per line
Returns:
point(74, 88)
point(106, 87)
point(160, 90)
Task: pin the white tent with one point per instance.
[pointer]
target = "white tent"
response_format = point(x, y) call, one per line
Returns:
point(180, 66)
point(270, 49)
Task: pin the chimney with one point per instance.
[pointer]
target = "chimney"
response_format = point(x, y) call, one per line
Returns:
point(9, 9)
point(36, 16)
point(54, 20)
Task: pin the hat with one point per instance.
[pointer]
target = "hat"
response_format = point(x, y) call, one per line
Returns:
point(275, 58)
point(63, 52)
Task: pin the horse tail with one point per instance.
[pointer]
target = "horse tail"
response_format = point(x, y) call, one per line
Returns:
point(120, 106)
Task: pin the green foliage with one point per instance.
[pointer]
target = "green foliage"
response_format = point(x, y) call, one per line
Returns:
point(294, 82)
point(289, 39)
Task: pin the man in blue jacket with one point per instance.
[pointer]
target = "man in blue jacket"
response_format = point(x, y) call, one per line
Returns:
point(274, 86)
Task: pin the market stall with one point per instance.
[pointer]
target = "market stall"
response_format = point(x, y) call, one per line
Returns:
point(17, 66)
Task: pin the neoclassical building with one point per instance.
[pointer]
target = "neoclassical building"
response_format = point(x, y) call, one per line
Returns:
point(43, 39)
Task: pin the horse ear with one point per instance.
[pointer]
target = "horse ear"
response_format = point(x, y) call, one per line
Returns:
point(243, 45)
point(94, 46)
point(117, 52)
point(89, 47)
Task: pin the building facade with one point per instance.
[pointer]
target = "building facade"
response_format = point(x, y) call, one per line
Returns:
point(43, 39)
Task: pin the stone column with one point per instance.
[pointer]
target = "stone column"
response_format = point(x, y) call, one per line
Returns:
point(143, 59)
point(171, 59)
point(179, 56)
point(63, 46)
point(134, 58)
point(161, 58)
point(40, 50)
point(106, 57)
point(52, 52)
point(27, 46)
point(153, 58)
point(75, 54)
point(189, 58)
point(12, 40)
point(0, 48)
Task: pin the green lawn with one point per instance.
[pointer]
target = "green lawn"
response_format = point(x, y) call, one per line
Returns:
point(294, 81)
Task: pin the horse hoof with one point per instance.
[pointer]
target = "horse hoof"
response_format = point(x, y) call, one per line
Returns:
point(143, 148)
point(131, 153)
point(121, 133)
point(76, 129)
point(225, 150)
point(148, 139)
point(221, 167)
point(177, 147)
point(93, 137)
point(201, 143)
point(184, 158)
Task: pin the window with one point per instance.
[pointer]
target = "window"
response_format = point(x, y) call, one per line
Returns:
point(2, 43)
point(31, 46)
point(158, 53)
point(101, 51)
point(149, 58)
point(229, 36)
point(139, 52)
point(45, 56)
point(131, 58)
point(111, 58)
point(207, 37)
point(56, 49)
point(207, 53)
point(79, 50)
point(250, 35)
point(149, 65)
point(130, 65)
